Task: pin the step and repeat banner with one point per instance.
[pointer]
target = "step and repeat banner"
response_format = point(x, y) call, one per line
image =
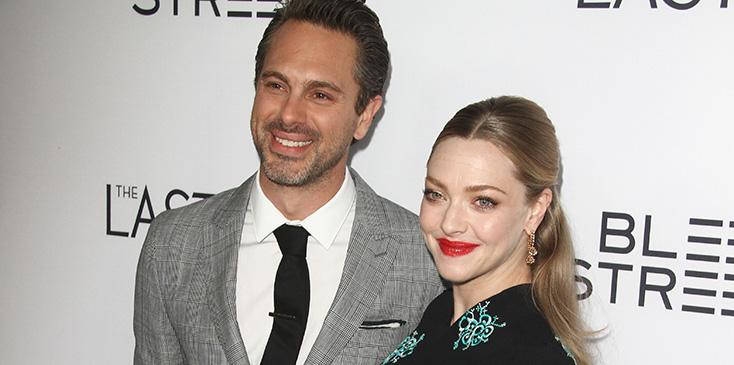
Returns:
point(114, 111)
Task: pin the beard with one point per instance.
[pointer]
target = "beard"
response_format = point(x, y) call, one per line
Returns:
point(288, 171)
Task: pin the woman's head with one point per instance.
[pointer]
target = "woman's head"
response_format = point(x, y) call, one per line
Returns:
point(492, 189)
point(491, 177)
point(521, 129)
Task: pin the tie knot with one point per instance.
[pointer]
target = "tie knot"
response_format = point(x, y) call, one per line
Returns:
point(292, 240)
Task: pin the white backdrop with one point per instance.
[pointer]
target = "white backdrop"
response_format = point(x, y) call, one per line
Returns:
point(94, 94)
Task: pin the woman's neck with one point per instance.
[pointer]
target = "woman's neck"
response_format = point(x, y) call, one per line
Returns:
point(470, 293)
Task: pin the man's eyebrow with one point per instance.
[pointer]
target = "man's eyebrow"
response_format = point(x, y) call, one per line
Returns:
point(275, 74)
point(311, 84)
point(316, 84)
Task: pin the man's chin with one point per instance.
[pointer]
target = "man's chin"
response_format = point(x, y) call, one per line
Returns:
point(282, 173)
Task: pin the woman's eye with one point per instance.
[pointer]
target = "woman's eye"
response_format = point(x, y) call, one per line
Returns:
point(485, 203)
point(432, 195)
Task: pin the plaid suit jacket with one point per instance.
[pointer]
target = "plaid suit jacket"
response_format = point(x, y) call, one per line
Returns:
point(186, 278)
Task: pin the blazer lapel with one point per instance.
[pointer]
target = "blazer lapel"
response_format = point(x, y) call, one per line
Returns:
point(221, 242)
point(369, 258)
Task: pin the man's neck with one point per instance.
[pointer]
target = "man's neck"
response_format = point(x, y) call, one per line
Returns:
point(298, 202)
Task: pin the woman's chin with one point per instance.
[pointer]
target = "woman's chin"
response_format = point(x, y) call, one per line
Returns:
point(454, 275)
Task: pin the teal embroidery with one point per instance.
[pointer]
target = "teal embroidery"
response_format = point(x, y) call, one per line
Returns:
point(475, 326)
point(568, 353)
point(405, 348)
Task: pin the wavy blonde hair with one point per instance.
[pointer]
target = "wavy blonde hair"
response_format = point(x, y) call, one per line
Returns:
point(523, 131)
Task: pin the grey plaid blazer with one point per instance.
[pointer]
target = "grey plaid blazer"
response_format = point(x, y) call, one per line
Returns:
point(186, 279)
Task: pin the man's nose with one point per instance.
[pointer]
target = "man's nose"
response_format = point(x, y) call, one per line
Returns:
point(293, 110)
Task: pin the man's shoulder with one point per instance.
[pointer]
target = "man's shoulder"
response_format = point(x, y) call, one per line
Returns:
point(174, 229)
point(392, 216)
point(397, 216)
point(196, 214)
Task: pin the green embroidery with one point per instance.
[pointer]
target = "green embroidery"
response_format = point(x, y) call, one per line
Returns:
point(405, 348)
point(475, 326)
point(568, 353)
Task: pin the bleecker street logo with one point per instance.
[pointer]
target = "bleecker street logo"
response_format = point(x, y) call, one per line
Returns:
point(231, 8)
point(675, 4)
point(705, 259)
point(124, 200)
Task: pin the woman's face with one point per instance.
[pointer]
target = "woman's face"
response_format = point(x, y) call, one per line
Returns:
point(474, 214)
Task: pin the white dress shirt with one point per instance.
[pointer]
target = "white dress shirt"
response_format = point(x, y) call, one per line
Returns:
point(259, 256)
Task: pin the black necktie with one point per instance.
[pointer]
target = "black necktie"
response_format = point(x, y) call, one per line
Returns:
point(292, 295)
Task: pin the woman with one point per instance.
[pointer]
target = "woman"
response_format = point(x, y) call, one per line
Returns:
point(493, 223)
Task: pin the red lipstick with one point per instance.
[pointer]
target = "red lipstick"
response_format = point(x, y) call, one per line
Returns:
point(455, 248)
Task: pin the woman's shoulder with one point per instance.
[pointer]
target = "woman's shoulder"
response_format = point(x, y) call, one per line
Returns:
point(528, 338)
point(516, 307)
point(506, 328)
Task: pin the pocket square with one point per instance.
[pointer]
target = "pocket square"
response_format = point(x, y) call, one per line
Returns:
point(384, 323)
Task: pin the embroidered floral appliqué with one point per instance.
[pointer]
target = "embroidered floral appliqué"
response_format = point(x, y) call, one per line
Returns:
point(405, 348)
point(475, 327)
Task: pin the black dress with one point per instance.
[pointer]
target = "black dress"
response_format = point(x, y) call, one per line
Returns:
point(505, 329)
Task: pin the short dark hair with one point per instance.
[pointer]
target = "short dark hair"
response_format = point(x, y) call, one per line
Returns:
point(351, 17)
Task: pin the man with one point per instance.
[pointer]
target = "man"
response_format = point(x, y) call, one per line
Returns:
point(208, 273)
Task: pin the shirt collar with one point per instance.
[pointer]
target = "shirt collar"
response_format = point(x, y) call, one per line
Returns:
point(323, 224)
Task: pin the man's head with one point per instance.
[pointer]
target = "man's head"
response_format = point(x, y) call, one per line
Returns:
point(354, 19)
point(312, 97)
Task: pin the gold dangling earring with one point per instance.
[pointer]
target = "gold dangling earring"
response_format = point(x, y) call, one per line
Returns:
point(532, 252)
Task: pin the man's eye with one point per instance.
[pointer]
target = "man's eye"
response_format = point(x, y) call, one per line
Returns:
point(321, 96)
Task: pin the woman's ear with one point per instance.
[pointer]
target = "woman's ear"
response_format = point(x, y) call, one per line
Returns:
point(537, 210)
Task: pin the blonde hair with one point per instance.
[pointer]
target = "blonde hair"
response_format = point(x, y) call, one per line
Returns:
point(522, 130)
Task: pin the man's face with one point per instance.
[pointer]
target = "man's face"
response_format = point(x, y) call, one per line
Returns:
point(303, 118)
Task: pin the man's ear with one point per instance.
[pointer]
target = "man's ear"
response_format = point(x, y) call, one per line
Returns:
point(367, 116)
point(537, 210)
